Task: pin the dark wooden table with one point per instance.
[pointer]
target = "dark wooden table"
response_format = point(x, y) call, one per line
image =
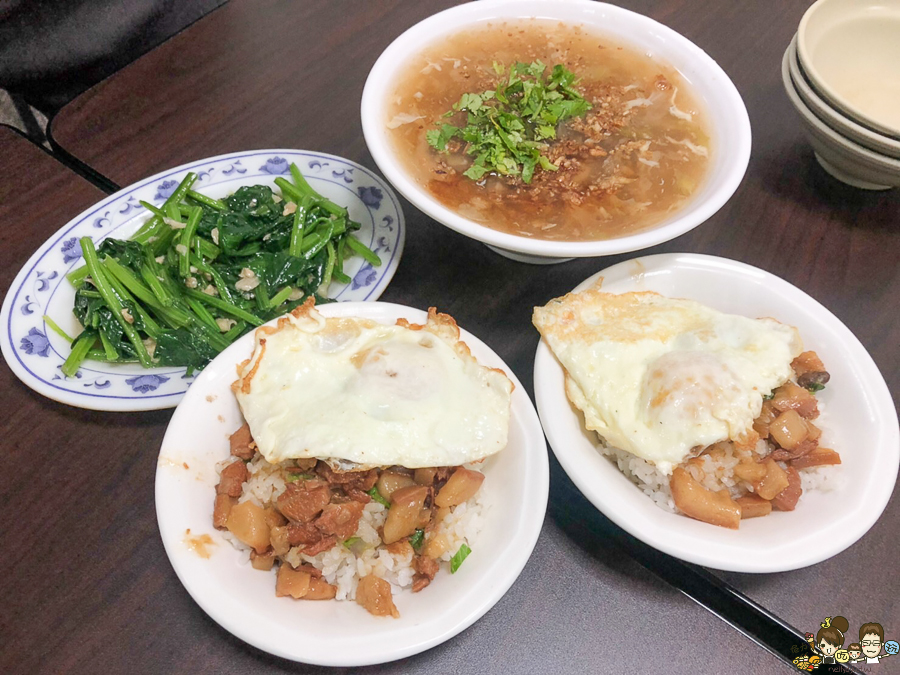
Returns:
point(279, 74)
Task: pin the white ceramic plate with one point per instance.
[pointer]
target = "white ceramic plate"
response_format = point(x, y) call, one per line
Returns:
point(36, 354)
point(242, 600)
point(859, 421)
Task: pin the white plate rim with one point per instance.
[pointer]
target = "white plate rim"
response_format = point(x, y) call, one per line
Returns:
point(528, 527)
point(548, 375)
point(382, 203)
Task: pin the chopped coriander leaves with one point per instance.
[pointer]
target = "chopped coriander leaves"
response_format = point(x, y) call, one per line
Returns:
point(506, 128)
point(458, 559)
point(376, 495)
point(438, 139)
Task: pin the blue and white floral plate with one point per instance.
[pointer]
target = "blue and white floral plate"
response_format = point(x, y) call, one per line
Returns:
point(36, 354)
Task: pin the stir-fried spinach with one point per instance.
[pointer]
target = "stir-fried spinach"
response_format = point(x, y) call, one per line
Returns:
point(202, 272)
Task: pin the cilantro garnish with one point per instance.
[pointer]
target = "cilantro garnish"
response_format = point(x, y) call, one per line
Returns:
point(507, 128)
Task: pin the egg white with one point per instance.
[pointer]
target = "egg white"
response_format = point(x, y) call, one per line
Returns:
point(359, 392)
point(662, 377)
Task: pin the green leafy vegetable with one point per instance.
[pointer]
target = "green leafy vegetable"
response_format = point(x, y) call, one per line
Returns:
point(458, 559)
point(507, 128)
point(376, 495)
point(417, 539)
point(202, 271)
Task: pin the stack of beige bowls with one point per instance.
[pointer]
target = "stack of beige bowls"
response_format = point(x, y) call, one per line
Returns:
point(842, 73)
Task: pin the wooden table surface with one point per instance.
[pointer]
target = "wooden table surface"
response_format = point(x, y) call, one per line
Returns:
point(272, 73)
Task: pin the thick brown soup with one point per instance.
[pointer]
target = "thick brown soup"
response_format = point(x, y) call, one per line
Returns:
point(637, 155)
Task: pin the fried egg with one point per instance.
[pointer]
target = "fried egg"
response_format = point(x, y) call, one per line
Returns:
point(662, 377)
point(359, 394)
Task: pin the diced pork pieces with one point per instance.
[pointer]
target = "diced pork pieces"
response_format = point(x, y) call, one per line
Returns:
point(316, 523)
point(374, 593)
point(303, 500)
point(426, 568)
point(242, 444)
point(340, 520)
point(231, 480)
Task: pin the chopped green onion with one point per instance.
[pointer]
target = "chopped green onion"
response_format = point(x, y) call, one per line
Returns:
point(815, 386)
point(417, 539)
point(458, 559)
point(352, 540)
point(376, 495)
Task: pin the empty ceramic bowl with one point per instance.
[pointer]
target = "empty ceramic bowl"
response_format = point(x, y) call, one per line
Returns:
point(833, 117)
point(850, 49)
point(844, 159)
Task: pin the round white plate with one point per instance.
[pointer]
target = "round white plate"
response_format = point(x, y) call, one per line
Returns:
point(36, 354)
point(858, 418)
point(242, 600)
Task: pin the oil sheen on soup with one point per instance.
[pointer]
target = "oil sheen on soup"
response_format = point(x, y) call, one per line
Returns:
point(638, 154)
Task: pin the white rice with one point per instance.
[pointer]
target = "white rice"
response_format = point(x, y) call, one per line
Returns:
point(344, 566)
point(716, 474)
